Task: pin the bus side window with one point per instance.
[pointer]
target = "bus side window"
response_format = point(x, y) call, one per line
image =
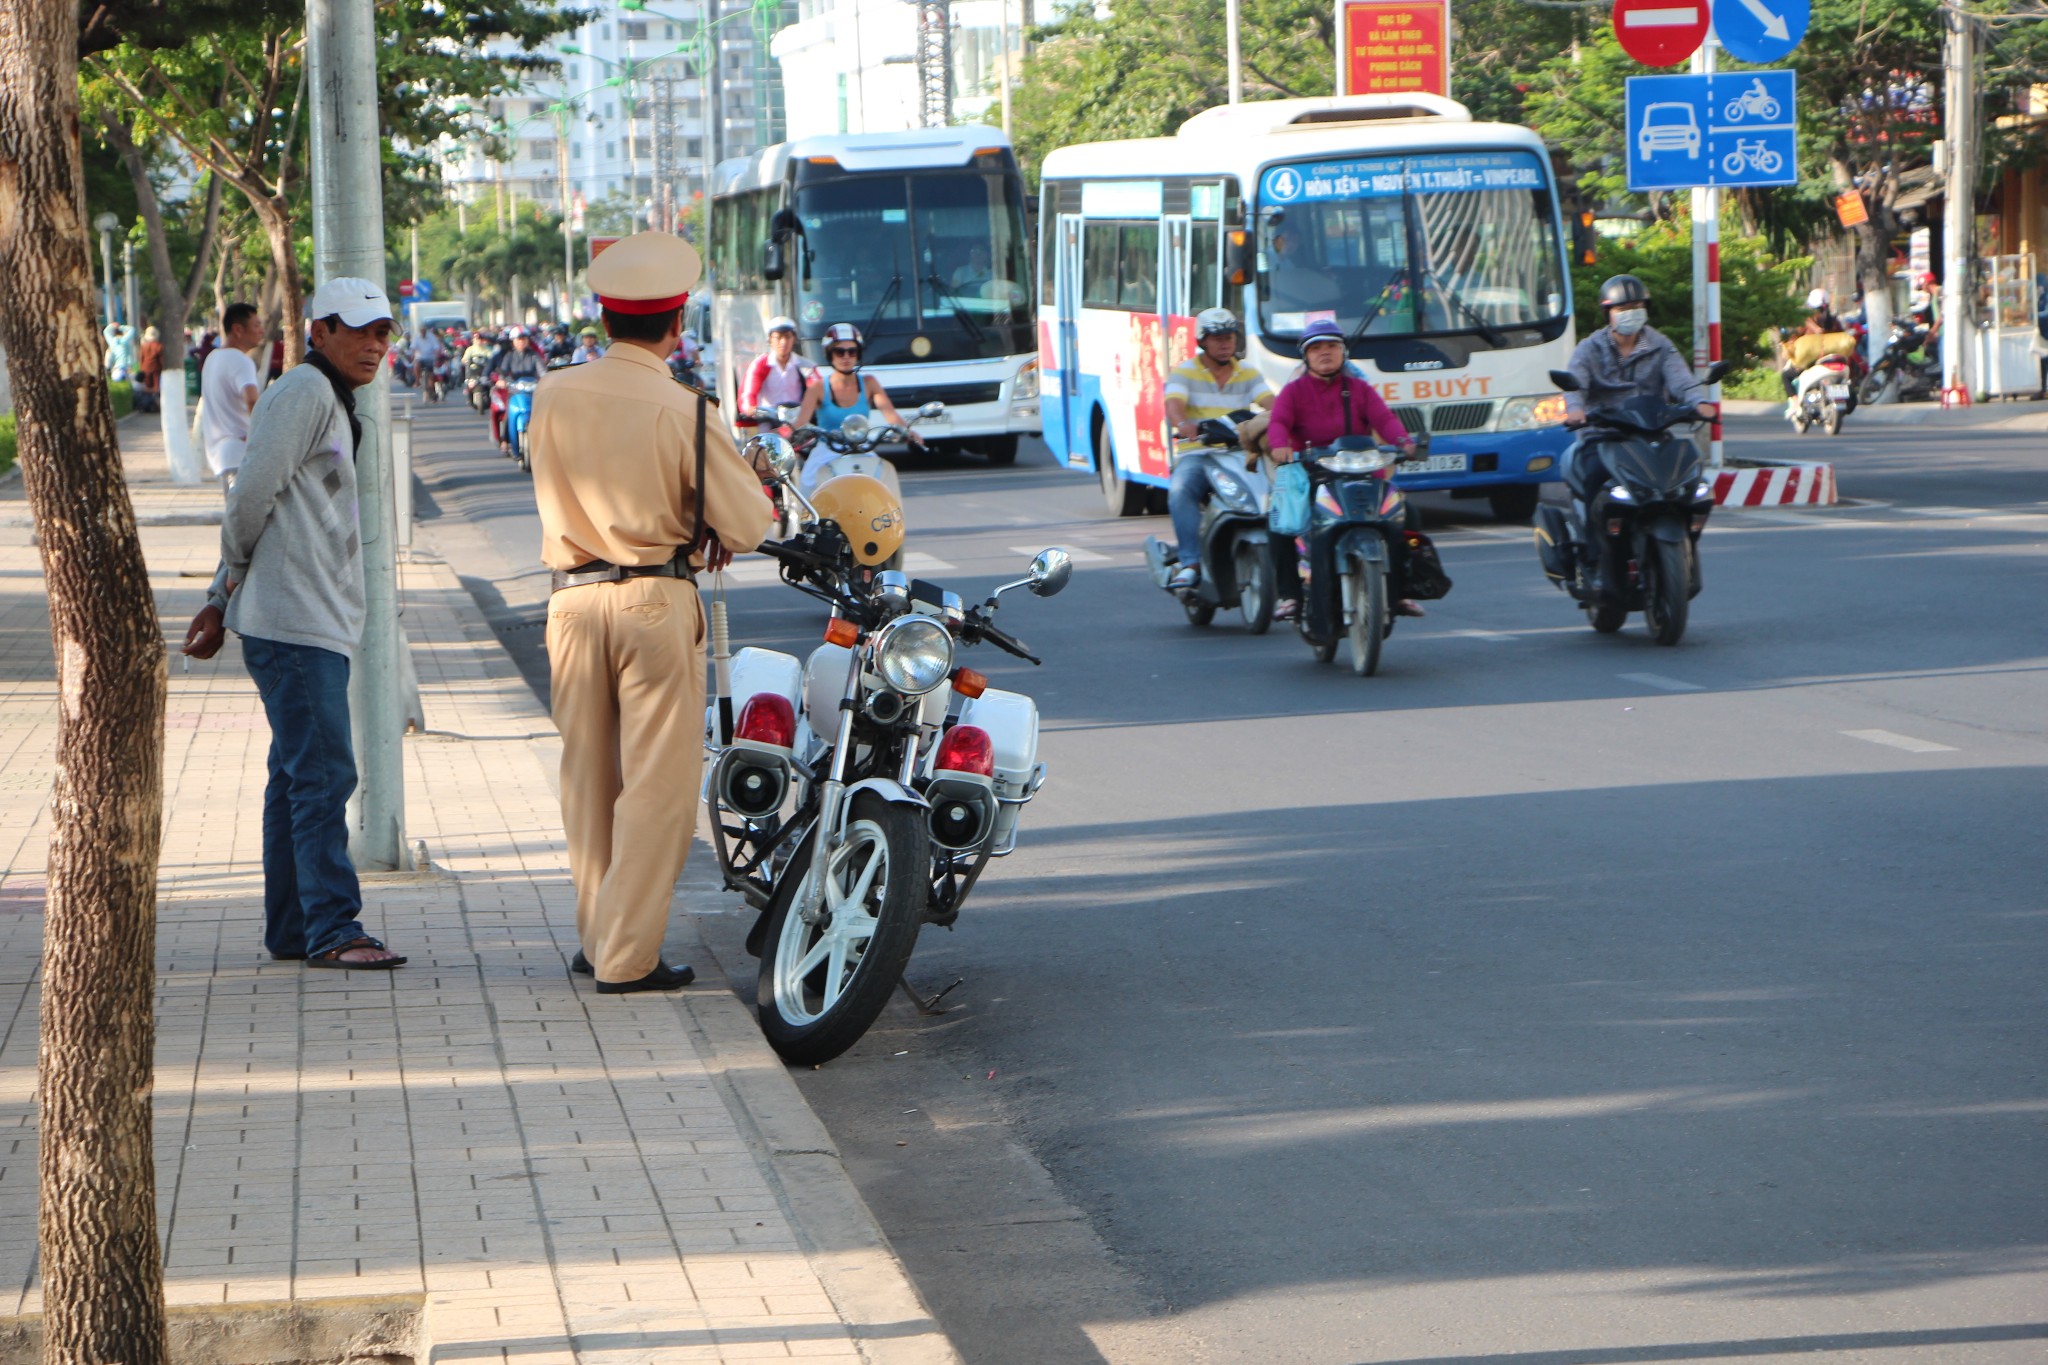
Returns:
point(1139, 268)
point(1048, 240)
point(1205, 267)
point(1098, 267)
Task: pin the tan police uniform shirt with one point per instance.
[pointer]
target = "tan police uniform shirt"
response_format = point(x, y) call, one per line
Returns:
point(614, 461)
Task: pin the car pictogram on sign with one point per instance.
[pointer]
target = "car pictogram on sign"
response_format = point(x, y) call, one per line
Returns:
point(1668, 128)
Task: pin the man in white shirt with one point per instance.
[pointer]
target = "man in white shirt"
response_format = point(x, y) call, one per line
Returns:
point(228, 386)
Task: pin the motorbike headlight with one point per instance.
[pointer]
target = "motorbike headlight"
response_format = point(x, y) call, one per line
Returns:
point(1620, 493)
point(914, 654)
point(1355, 461)
point(1527, 414)
point(1231, 488)
point(1027, 383)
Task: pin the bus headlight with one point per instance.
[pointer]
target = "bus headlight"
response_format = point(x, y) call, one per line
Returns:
point(1025, 387)
point(1527, 414)
point(914, 654)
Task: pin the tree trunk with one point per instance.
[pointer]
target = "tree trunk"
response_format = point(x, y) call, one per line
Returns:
point(100, 1259)
point(209, 238)
point(1872, 241)
point(171, 309)
point(284, 261)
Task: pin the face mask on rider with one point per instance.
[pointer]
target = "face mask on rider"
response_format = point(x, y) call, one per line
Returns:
point(1628, 321)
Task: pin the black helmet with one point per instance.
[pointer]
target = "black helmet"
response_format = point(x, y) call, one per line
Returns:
point(1623, 289)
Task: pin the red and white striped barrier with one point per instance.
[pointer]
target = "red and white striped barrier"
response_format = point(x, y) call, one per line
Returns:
point(1776, 485)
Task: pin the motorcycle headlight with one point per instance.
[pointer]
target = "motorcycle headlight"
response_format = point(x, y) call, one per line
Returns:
point(1527, 414)
point(1027, 383)
point(1620, 493)
point(914, 654)
point(1355, 461)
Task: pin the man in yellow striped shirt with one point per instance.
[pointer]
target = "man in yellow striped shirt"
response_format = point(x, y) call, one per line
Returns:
point(1213, 384)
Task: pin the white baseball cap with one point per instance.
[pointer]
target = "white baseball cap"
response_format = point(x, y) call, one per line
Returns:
point(357, 302)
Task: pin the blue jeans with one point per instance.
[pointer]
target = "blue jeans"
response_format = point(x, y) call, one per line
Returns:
point(310, 894)
point(1189, 489)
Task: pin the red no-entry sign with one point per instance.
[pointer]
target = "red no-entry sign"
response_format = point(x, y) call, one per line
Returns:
point(1661, 32)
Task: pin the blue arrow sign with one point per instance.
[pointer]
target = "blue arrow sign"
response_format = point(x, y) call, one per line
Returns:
point(1730, 128)
point(1761, 31)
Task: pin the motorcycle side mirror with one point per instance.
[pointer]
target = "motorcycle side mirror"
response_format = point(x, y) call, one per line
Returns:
point(785, 413)
point(1715, 372)
point(771, 456)
point(1049, 571)
point(930, 410)
point(1564, 379)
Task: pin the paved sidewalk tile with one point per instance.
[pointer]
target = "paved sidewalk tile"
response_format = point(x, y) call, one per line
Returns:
point(557, 1172)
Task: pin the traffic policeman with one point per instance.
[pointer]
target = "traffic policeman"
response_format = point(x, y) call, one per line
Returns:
point(639, 489)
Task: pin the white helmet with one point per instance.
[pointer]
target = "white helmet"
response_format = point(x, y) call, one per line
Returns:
point(781, 324)
point(844, 332)
point(1211, 321)
point(1817, 299)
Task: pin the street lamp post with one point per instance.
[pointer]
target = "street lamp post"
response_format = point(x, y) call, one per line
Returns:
point(106, 223)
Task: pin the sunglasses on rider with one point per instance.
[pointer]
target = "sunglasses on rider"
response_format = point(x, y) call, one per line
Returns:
point(836, 351)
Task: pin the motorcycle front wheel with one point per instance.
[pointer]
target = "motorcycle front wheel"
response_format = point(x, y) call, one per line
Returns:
point(1607, 617)
point(1876, 386)
point(1669, 597)
point(1368, 624)
point(1255, 592)
point(823, 985)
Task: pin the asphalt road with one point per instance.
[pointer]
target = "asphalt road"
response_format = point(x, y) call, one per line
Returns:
point(1550, 997)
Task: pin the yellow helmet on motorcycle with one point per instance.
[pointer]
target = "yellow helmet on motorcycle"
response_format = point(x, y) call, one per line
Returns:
point(867, 512)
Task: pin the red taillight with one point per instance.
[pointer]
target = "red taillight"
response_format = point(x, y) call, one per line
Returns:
point(966, 749)
point(768, 718)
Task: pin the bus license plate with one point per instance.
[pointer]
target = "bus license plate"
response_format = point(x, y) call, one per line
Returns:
point(1838, 391)
point(1432, 464)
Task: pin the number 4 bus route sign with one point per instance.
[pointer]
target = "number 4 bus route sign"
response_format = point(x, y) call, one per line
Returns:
point(1729, 128)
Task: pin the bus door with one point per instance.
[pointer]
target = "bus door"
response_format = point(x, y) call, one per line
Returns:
point(1072, 416)
point(1171, 347)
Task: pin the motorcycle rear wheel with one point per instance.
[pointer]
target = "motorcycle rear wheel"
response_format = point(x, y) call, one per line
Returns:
point(1831, 419)
point(1669, 598)
point(822, 986)
point(1256, 596)
point(1368, 625)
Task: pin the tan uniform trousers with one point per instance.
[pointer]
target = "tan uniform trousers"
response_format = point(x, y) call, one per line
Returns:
point(627, 663)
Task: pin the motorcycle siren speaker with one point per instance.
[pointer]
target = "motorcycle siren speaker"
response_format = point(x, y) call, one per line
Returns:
point(751, 784)
point(962, 815)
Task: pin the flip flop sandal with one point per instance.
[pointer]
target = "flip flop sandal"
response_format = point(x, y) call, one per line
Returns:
point(333, 957)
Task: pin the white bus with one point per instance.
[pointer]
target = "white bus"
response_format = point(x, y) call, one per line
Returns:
point(916, 238)
point(1432, 240)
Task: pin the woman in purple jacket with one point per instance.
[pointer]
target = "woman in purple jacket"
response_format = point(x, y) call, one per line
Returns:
point(1329, 400)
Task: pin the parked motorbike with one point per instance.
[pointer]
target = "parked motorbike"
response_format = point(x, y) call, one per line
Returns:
point(1909, 368)
point(859, 795)
point(1633, 543)
point(1237, 553)
point(1363, 554)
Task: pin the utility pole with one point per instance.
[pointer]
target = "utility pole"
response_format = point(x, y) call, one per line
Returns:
point(1706, 274)
point(1958, 222)
point(128, 289)
point(1006, 63)
point(1233, 40)
point(568, 227)
point(106, 223)
point(348, 239)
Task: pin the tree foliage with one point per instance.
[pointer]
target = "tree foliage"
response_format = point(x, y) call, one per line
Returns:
point(1758, 290)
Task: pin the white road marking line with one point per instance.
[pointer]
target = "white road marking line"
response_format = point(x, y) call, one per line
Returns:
point(1944, 511)
point(1499, 637)
point(1660, 682)
point(1897, 741)
point(917, 561)
point(1074, 552)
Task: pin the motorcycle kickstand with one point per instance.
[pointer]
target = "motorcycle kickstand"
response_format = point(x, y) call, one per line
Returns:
point(931, 1006)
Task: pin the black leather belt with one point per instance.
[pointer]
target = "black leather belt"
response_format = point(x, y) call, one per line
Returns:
point(604, 571)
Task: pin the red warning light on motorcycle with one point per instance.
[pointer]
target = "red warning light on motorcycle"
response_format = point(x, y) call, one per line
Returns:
point(1392, 49)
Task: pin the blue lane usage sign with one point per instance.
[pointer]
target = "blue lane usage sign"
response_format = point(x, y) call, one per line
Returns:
point(1730, 128)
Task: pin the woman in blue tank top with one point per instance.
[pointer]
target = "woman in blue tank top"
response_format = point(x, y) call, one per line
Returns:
point(846, 389)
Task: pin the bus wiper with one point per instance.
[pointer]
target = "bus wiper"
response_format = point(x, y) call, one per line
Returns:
point(888, 296)
point(1494, 336)
point(1379, 305)
point(953, 302)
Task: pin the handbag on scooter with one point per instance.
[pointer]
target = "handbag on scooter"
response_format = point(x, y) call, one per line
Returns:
point(1288, 513)
point(1422, 573)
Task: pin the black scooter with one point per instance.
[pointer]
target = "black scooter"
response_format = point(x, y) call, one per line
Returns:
point(1897, 376)
point(1237, 556)
point(1632, 544)
point(1364, 552)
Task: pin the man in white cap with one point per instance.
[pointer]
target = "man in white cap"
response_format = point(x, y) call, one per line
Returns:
point(638, 490)
point(290, 583)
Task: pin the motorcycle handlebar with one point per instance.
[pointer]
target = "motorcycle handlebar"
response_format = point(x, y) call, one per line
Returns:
point(1009, 644)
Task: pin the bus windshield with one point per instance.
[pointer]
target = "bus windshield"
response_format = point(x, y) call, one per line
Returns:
point(922, 253)
point(1415, 245)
